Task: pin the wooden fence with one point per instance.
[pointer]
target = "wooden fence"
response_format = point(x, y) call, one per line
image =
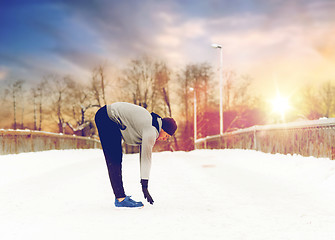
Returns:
point(12, 141)
point(308, 138)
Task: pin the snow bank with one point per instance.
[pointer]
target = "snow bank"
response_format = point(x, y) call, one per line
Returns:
point(203, 194)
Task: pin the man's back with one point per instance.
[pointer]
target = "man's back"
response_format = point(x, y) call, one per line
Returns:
point(133, 121)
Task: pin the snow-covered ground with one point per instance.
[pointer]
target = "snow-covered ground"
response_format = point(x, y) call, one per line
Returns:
point(203, 194)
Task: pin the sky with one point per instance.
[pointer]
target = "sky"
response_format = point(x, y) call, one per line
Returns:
point(278, 43)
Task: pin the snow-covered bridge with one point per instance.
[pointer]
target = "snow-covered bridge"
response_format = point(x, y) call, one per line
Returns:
point(203, 194)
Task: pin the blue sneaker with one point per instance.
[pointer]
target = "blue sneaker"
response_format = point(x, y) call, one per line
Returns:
point(128, 202)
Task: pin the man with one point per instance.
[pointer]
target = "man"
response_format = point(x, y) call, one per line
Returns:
point(136, 126)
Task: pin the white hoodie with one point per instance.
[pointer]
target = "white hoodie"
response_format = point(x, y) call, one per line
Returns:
point(136, 128)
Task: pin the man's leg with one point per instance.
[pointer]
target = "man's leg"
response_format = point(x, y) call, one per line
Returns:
point(110, 138)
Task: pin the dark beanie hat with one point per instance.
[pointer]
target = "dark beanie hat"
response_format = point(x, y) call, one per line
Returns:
point(169, 125)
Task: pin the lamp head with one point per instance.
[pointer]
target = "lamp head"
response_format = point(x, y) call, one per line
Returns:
point(214, 45)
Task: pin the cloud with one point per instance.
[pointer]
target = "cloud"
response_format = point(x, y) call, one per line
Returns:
point(296, 26)
point(125, 27)
point(3, 73)
point(176, 34)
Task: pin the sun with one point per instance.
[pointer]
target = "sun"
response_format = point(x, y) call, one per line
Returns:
point(280, 105)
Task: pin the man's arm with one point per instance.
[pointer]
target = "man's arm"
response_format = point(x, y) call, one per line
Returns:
point(148, 141)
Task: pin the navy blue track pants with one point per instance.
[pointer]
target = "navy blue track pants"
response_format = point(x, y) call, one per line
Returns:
point(110, 138)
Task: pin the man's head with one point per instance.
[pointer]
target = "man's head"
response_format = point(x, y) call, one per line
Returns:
point(169, 125)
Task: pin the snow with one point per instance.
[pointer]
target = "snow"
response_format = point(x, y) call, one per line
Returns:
point(300, 124)
point(203, 194)
point(322, 122)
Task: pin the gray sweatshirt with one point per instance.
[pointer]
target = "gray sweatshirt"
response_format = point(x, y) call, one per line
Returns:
point(136, 128)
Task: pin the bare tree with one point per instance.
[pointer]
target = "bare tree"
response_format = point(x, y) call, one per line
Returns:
point(327, 99)
point(22, 103)
point(38, 94)
point(98, 85)
point(239, 102)
point(186, 81)
point(138, 79)
point(202, 75)
point(161, 101)
point(15, 90)
point(309, 103)
point(198, 77)
point(145, 80)
point(229, 77)
point(237, 91)
point(316, 102)
point(41, 91)
point(34, 98)
point(162, 80)
point(60, 100)
point(242, 96)
point(81, 102)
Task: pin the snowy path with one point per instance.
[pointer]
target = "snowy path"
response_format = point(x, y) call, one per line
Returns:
point(204, 194)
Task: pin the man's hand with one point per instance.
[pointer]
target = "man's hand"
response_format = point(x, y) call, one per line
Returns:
point(145, 191)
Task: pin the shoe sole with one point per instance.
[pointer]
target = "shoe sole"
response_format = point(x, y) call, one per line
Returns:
point(128, 208)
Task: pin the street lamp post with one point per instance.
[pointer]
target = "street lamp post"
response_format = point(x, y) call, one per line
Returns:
point(221, 86)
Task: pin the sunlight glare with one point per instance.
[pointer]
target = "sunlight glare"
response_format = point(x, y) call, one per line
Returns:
point(280, 105)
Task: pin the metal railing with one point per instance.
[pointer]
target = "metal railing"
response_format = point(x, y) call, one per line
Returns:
point(18, 141)
point(307, 138)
